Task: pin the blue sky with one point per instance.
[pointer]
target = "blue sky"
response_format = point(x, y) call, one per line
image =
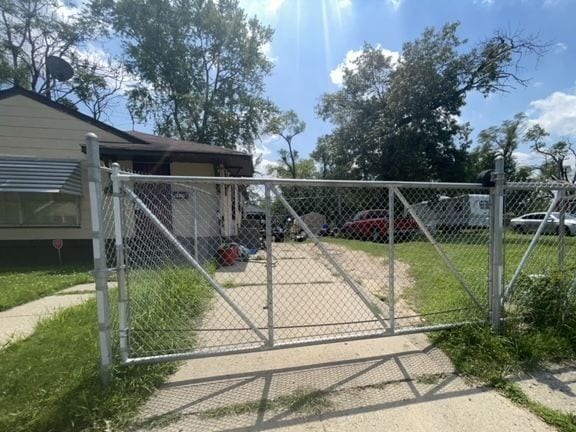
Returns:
point(313, 38)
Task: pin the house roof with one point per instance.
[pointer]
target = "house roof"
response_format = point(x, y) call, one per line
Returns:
point(150, 147)
point(19, 91)
point(162, 148)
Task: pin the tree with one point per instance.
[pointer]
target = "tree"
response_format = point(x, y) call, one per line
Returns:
point(398, 121)
point(556, 155)
point(33, 30)
point(501, 140)
point(202, 68)
point(287, 125)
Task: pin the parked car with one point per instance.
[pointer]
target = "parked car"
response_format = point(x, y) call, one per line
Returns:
point(373, 225)
point(531, 221)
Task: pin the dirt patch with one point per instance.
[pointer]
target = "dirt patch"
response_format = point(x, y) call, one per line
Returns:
point(371, 271)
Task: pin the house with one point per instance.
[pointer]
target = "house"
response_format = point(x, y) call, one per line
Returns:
point(43, 179)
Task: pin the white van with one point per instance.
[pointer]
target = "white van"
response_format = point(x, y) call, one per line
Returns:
point(461, 212)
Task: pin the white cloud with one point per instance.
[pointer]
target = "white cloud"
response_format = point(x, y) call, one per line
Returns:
point(262, 8)
point(394, 4)
point(530, 158)
point(560, 47)
point(273, 6)
point(104, 63)
point(262, 149)
point(266, 49)
point(337, 74)
point(556, 113)
point(344, 4)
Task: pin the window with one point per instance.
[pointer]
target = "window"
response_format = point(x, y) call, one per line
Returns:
point(39, 209)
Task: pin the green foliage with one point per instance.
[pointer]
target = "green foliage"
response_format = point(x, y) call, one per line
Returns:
point(397, 120)
point(51, 380)
point(548, 302)
point(501, 140)
point(202, 68)
point(556, 155)
point(180, 296)
point(479, 353)
point(23, 54)
point(287, 125)
point(18, 286)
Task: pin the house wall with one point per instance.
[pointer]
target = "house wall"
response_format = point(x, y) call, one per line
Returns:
point(196, 209)
point(29, 128)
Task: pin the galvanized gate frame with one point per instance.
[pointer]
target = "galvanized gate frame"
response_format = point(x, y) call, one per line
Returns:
point(121, 187)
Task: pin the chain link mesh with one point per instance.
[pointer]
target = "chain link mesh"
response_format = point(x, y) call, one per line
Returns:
point(217, 267)
point(321, 271)
point(537, 245)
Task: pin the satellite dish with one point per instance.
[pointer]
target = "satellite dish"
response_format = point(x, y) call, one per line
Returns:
point(58, 68)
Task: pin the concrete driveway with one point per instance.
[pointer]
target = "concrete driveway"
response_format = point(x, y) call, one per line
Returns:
point(396, 383)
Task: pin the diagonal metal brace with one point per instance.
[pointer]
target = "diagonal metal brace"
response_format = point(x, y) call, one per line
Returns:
point(357, 289)
point(440, 251)
point(140, 204)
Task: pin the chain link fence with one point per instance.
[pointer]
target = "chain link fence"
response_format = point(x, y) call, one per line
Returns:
point(209, 266)
point(208, 273)
point(540, 234)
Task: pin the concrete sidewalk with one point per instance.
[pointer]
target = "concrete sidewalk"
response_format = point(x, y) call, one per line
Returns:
point(20, 322)
point(398, 384)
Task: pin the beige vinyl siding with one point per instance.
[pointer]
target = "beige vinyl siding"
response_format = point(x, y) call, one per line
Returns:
point(29, 128)
point(185, 211)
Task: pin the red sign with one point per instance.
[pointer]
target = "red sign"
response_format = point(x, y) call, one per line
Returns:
point(58, 244)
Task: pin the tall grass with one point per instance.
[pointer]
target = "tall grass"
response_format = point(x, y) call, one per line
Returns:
point(165, 308)
point(50, 381)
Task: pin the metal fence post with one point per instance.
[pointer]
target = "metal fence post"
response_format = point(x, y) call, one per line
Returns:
point(561, 231)
point(391, 296)
point(497, 245)
point(269, 275)
point(195, 201)
point(123, 317)
point(99, 251)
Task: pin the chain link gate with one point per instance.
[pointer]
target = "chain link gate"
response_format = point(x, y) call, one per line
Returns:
point(200, 272)
point(317, 262)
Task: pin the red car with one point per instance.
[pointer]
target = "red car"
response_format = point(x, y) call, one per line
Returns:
point(373, 225)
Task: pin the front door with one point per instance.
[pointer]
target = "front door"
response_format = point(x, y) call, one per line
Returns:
point(156, 196)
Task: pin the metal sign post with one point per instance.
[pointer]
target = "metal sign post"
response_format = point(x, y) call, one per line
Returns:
point(58, 243)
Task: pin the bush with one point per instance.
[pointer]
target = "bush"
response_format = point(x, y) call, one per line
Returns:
point(548, 303)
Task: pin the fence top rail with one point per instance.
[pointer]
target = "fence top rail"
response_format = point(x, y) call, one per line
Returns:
point(139, 178)
point(541, 185)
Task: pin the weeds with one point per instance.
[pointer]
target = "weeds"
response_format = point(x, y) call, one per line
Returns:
point(166, 305)
point(51, 382)
point(302, 400)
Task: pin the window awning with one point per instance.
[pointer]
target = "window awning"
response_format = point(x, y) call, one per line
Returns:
point(30, 174)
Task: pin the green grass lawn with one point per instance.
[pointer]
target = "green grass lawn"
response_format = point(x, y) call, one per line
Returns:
point(18, 286)
point(436, 289)
point(549, 334)
point(50, 381)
